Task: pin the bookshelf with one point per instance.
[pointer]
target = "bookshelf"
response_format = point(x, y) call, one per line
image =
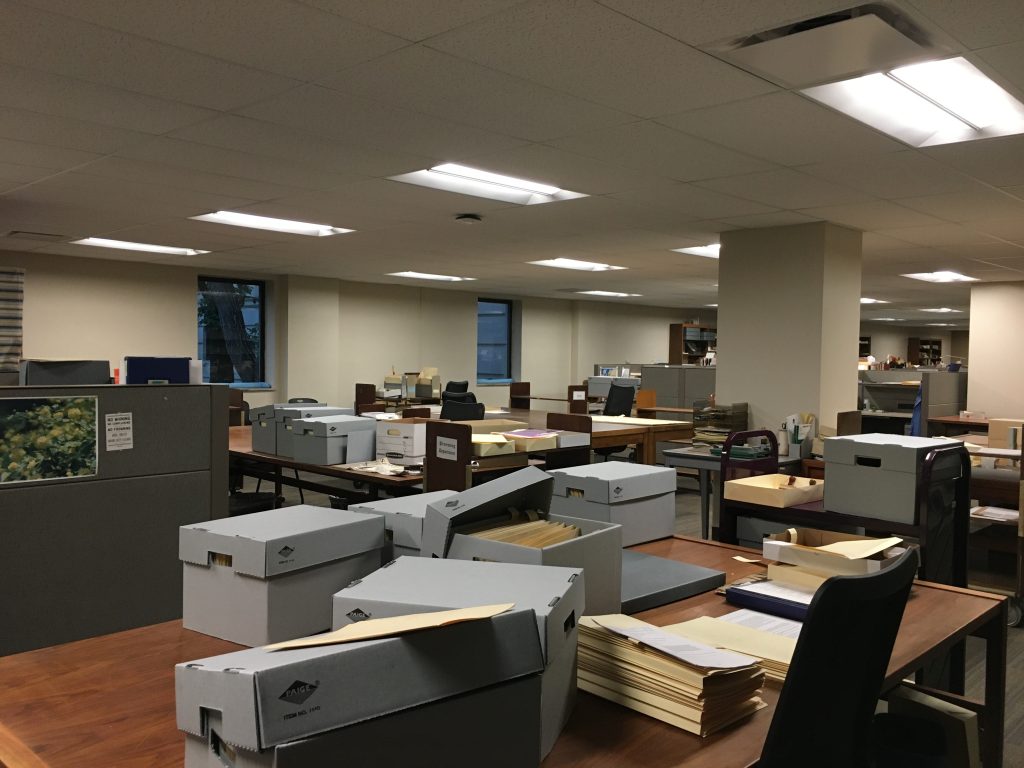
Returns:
point(689, 342)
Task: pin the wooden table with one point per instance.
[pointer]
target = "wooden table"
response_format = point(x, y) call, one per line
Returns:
point(652, 411)
point(110, 700)
point(955, 425)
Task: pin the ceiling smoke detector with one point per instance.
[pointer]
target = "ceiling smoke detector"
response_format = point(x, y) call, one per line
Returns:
point(468, 218)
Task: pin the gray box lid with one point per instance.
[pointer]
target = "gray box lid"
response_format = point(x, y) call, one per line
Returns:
point(419, 584)
point(649, 581)
point(278, 541)
point(337, 425)
point(307, 411)
point(272, 697)
point(528, 488)
point(895, 453)
point(266, 412)
point(404, 515)
point(614, 481)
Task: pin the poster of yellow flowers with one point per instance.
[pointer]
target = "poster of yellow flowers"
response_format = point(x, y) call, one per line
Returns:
point(47, 438)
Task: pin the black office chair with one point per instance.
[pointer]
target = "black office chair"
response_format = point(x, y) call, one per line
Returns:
point(457, 397)
point(302, 400)
point(618, 403)
point(457, 386)
point(454, 410)
point(827, 704)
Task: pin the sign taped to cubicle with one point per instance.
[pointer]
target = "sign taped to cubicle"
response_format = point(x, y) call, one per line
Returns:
point(47, 438)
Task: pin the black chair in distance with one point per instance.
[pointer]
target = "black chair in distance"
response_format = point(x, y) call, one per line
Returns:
point(457, 397)
point(453, 410)
point(827, 705)
point(302, 400)
point(457, 386)
point(618, 403)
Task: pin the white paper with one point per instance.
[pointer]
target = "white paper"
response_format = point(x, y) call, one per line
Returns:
point(775, 589)
point(766, 623)
point(579, 395)
point(447, 448)
point(698, 655)
point(120, 436)
point(995, 513)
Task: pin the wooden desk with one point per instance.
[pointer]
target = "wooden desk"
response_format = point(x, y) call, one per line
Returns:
point(955, 425)
point(651, 412)
point(110, 700)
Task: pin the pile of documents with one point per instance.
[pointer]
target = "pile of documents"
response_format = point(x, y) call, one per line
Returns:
point(539, 533)
point(692, 686)
point(709, 435)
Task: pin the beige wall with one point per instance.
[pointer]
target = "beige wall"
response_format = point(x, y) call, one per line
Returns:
point(888, 339)
point(996, 350)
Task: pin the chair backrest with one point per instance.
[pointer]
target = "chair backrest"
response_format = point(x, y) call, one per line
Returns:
point(457, 397)
point(457, 386)
point(620, 400)
point(824, 713)
point(302, 400)
point(453, 410)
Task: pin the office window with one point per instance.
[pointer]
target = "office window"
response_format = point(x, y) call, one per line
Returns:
point(493, 340)
point(232, 331)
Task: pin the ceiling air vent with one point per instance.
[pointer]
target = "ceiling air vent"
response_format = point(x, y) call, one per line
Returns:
point(46, 237)
point(867, 38)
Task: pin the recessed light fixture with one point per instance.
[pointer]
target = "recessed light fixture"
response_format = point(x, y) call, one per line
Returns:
point(709, 251)
point(943, 310)
point(710, 305)
point(941, 325)
point(274, 225)
point(585, 266)
point(613, 294)
point(942, 277)
point(126, 245)
point(935, 102)
point(885, 319)
point(866, 300)
point(428, 276)
point(464, 180)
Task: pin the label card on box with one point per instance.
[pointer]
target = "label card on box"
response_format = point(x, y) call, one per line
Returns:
point(447, 448)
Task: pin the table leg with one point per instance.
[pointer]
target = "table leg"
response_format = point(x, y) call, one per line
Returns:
point(995, 690)
point(704, 481)
point(277, 484)
point(647, 450)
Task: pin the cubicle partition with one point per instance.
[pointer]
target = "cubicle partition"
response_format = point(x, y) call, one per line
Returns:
point(678, 386)
point(94, 485)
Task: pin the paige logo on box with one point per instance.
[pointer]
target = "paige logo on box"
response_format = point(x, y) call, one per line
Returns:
point(299, 691)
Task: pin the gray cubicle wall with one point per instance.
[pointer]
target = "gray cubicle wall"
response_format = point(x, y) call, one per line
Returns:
point(93, 555)
point(942, 393)
point(677, 386)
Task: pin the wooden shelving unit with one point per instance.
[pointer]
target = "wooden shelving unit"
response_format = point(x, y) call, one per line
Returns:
point(688, 342)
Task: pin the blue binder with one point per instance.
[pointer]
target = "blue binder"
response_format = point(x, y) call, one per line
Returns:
point(776, 606)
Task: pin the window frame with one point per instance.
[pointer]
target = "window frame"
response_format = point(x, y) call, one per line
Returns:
point(510, 309)
point(262, 382)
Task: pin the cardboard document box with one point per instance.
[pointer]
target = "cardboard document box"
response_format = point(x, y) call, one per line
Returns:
point(333, 439)
point(597, 550)
point(876, 475)
point(413, 738)
point(403, 519)
point(264, 427)
point(775, 490)
point(269, 576)
point(527, 440)
point(421, 585)
point(802, 546)
point(492, 445)
point(999, 432)
point(266, 698)
point(402, 441)
point(288, 414)
point(640, 498)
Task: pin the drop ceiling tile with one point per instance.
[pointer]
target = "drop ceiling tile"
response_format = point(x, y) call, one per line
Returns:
point(23, 174)
point(434, 83)
point(65, 132)
point(297, 146)
point(359, 121)
point(31, 153)
point(938, 234)
point(894, 175)
point(993, 161)
point(779, 219)
point(181, 178)
point(1003, 229)
point(656, 149)
point(783, 128)
point(989, 251)
point(187, 233)
point(414, 19)
point(306, 42)
point(64, 46)
point(1006, 63)
point(786, 188)
point(705, 21)
point(873, 216)
point(967, 206)
point(977, 25)
point(553, 42)
point(1014, 264)
point(692, 202)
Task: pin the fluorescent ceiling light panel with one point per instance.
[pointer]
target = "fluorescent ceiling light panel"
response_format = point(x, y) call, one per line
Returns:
point(614, 294)
point(866, 300)
point(941, 325)
point(274, 225)
point(125, 245)
point(710, 251)
point(477, 182)
point(710, 305)
point(585, 266)
point(885, 319)
point(936, 102)
point(428, 276)
point(941, 277)
point(943, 310)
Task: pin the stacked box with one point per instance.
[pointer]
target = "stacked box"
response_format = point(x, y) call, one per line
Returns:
point(638, 497)
point(241, 704)
point(269, 576)
point(419, 585)
point(597, 550)
point(264, 427)
point(402, 441)
point(403, 519)
point(286, 416)
point(333, 439)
